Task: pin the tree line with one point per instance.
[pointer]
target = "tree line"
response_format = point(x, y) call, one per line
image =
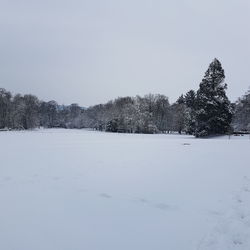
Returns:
point(204, 112)
point(28, 112)
point(241, 118)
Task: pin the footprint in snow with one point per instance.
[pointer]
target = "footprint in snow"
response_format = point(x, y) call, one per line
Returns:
point(242, 217)
point(7, 178)
point(246, 178)
point(238, 199)
point(104, 195)
point(232, 230)
point(165, 207)
point(237, 242)
point(246, 189)
point(142, 200)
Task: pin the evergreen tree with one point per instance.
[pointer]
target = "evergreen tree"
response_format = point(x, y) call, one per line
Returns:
point(190, 101)
point(178, 114)
point(213, 109)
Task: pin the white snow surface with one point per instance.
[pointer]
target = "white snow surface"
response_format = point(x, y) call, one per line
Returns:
point(86, 190)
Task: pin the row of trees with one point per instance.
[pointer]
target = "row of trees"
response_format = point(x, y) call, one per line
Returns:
point(204, 112)
point(148, 114)
point(241, 119)
point(27, 112)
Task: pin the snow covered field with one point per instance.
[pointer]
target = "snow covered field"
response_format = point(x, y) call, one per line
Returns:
point(85, 190)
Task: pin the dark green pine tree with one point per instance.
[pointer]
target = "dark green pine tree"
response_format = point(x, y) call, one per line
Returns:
point(213, 109)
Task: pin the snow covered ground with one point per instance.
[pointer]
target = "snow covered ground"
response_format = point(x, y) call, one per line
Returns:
point(85, 190)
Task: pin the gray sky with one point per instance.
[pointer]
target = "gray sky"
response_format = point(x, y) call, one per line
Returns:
point(91, 51)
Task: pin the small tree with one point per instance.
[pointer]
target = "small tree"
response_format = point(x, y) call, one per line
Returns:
point(190, 101)
point(5, 106)
point(178, 112)
point(31, 115)
point(213, 109)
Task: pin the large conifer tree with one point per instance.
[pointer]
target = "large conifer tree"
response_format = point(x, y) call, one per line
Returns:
point(213, 110)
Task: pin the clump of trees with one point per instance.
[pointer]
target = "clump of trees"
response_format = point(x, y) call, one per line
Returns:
point(204, 112)
point(28, 112)
point(148, 114)
point(209, 112)
point(241, 119)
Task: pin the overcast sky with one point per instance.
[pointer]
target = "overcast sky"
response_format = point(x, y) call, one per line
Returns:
point(89, 52)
